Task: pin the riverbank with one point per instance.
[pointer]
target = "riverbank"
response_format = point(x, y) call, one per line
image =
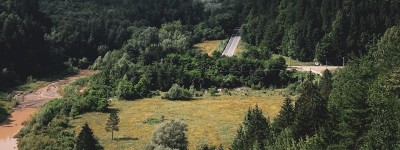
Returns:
point(28, 103)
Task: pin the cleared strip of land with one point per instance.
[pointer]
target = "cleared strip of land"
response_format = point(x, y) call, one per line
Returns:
point(315, 69)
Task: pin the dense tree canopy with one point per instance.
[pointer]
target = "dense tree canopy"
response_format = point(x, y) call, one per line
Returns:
point(324, 30)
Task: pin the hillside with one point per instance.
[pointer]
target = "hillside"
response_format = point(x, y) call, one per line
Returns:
point(145, 56)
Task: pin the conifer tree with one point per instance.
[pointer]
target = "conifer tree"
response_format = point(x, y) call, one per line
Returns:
point(310, 109)
point(384, 130)
point(112, 123)
point(326, 84)
point(285, 117)
point(256, 131)
point(86, 140)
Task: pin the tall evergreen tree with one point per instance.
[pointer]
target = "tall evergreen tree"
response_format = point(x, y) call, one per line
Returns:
point(326, 84)
point(255, 133)
point(86, 140)
point(285, 117)
point(384, 130)
point(112, 123)
point(310, 109)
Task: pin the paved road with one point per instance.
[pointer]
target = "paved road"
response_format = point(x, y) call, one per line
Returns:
point(231, 47)
point(232, 44)
point(314, 69)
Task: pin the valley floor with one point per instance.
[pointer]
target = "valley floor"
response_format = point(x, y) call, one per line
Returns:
point(210, 120)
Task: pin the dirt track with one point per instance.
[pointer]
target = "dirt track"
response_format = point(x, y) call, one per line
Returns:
point(314, 69)
point(35, 99)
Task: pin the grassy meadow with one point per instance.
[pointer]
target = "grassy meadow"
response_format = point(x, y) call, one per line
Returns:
point(210, 120)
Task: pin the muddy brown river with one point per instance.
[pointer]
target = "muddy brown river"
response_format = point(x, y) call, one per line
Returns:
point(29, 103)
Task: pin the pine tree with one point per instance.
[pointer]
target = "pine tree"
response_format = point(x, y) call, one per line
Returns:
point(285, 117)
point(384, 130)
point(256, 131)
point(112, 123)
point(310, 109)
point(86, 140)
point(326, 84)
point(240, 141)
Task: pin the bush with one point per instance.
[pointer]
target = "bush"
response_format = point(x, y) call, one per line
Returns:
point(3, 113)
point(213, 91)
point(177, 93)
point(170, 135)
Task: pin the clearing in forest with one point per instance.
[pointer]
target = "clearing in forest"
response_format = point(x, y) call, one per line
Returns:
point(210, 120)
point(208, 46)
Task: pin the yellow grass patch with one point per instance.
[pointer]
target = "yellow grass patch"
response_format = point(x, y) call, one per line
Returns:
point(240, 49)
point(210, 120)
point(208, 46)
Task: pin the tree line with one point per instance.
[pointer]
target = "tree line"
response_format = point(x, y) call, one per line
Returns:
point(38, 38)
point(357, 109)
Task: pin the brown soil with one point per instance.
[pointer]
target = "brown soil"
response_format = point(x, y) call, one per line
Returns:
point(28, 103)
point(35, 99)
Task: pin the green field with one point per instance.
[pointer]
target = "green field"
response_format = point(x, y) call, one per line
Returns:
point(211, 120)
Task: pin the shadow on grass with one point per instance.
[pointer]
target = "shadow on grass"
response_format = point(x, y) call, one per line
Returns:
point(126, 139)
point(110, 110)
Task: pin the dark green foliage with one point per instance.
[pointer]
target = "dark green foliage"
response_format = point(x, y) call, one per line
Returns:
point(325, 84)
point(177, 92)
point(213, 91)
point(3, 112)
point(23, 50)
point(310, 110)
point(125, 90)
point(86, 140)
point(363, 99)
point(51, 120)
point(56, 135)
point(325, 31)
point(156, 59)
point(384, 129)
point(285, 118)
point(112, 123)
point(255, 132)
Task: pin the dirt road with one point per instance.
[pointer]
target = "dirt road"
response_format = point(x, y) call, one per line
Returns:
point(314, 69)
point(29, 102)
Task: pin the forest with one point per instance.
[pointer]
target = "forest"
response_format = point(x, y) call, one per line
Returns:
point(145, 48)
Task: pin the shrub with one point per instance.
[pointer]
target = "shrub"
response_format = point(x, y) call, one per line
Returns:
point(170, 135)
point(213, 91)
point(3, 113)
point(177, 92)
